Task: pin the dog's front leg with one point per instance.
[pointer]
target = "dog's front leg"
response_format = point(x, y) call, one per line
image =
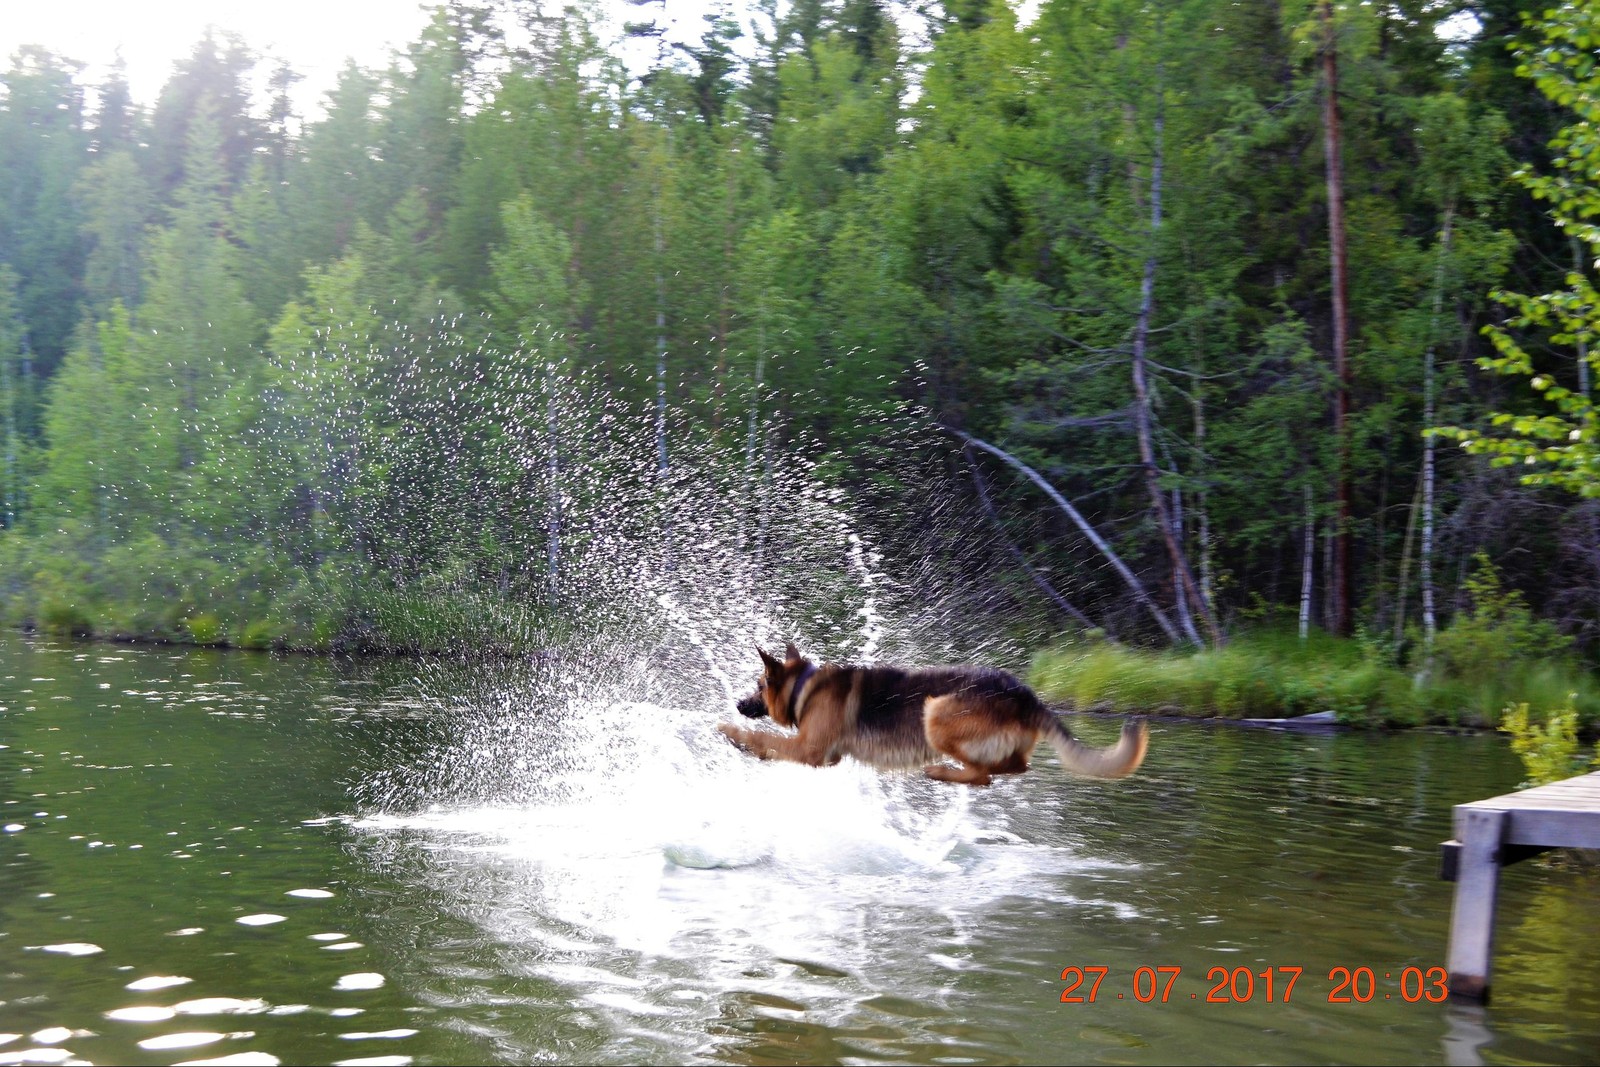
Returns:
point(796, 748)
point(750, 741)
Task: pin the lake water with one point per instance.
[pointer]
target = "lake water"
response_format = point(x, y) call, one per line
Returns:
point(234, 857)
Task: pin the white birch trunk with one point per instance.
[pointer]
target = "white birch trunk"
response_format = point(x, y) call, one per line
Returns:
point(1425, 555)
point(1182, 578)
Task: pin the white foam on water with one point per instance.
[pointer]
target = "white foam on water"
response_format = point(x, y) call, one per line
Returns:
point(669, 838)
point(189, 1039)
point(141, 1013)
point(51, 1035)
point(36, 1055)
point(70, 948)
point(157, 981)
point(221, 1006)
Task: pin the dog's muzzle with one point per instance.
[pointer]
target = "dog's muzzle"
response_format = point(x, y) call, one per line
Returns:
point(753, 707)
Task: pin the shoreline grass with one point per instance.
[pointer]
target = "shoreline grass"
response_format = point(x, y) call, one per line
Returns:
point(1273, 674)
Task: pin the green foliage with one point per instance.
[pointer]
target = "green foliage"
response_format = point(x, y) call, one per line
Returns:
point(46, 148)
point(260, 635)
point(1559, 447)
point(532, 269)
point(205, 629)
point(313, 387)
point(839, 109)
point(1496, 633)
point(1549, 750)
point(117, 204)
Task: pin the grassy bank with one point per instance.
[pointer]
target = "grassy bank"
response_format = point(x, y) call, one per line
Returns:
point(153, 590)
point(1272, 673)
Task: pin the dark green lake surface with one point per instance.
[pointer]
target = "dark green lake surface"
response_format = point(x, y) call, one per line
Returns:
point(233, 857)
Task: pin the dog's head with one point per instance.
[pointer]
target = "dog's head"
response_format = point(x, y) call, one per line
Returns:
point(772, 695)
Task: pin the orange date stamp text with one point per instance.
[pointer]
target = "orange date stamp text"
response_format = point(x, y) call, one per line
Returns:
point(1242, 985)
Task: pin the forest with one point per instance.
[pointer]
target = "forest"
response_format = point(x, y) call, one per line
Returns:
point(1166, 297)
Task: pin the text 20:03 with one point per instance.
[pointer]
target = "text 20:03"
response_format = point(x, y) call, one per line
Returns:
point(1275, 985)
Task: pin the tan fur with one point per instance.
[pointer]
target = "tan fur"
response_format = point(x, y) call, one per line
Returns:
point(985, 720)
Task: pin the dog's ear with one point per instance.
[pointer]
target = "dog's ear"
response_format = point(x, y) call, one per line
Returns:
point(773, 666)
point(790, 653)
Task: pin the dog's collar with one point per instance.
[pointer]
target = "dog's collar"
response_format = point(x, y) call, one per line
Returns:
point(794, 693)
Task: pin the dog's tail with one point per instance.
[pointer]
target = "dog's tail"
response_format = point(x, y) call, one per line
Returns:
point(1118, 761)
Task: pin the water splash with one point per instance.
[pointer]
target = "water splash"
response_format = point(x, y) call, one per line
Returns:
point(871, 621)
point(664, 832)
point(662, 597)
point(577, 805)
point(691, 631)
point(580, 810)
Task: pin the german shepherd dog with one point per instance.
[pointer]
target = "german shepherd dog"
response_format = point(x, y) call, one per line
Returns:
point(985, 719)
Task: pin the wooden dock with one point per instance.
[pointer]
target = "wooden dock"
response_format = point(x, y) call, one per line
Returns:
point(1491, 834)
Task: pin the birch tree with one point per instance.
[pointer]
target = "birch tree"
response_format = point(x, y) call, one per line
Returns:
point(1560, 448)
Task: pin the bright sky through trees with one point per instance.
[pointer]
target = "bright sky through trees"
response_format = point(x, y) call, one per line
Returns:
point(315, 37)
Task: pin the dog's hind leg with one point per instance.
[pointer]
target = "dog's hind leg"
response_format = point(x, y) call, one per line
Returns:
point(1017, 764)
point(977, 773)
point(971, 735)
point(943, 772)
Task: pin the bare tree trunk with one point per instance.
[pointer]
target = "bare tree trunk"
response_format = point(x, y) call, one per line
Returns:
point(1405, 562)
point(1429, 442)
point(1132, 580)
point(752, 439)
point(1180, 600)
point(1309, 555)
point(661, 282)
point(28, 395)
point(1182, 577)
point(1328, 598)
point(1341, 317)
point(552, 479)
point(1016, 553)
point(12, 449)
point(1130, 123)
point(1583, 336)
point(724, 306)
point(755, 395)
point(1198, 402)
point(661, 345)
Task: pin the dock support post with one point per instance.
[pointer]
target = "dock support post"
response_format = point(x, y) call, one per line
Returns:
point(1481, 832)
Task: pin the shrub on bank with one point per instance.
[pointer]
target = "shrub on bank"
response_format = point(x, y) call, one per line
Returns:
point(205, 629)
point(1549, 750)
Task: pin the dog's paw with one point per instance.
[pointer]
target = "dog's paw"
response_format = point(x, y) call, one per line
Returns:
point(734, 734)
